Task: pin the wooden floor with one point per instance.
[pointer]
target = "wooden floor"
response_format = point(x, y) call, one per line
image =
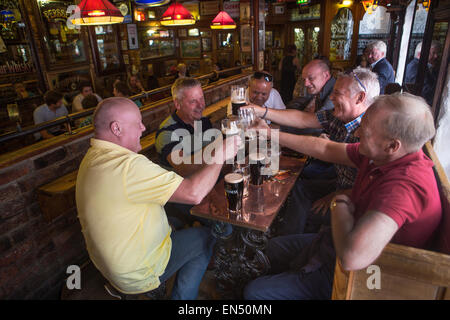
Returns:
point(92, 287)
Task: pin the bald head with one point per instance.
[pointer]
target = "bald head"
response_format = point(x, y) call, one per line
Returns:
point(118, 120)
point(315, 75)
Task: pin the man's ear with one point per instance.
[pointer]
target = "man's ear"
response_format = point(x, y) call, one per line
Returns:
point(393, 146)
point(176, 104)
point(361, 97)
point(115, 128)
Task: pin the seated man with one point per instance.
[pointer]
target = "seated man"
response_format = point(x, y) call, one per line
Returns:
point(395, 199)
point(189, 104)
point(353, 93)
point(122, 90)
point(431, 72)
point(376, 56)
point(261, 93)
point(90, 101)
point(85, 90)
point(120, 196)
point(52, 109)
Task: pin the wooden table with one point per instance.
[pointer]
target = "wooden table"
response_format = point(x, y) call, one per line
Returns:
point(240, 258)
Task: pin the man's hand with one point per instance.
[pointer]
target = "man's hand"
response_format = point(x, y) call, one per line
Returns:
point(321, 206)
point(324, 136)
point(258, 110)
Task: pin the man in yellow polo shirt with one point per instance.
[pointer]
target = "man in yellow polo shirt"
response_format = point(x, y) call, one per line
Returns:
point(120, 196)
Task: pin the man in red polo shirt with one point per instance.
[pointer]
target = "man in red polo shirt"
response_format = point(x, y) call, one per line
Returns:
point(394, 199)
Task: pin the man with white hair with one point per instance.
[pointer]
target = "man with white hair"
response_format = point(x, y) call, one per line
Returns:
point(353, 93)
point(395, 199)
point(376, 53)
point(120, 196)
point(431, 73)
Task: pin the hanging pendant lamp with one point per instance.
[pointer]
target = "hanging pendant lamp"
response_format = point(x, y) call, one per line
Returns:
point(223, 21)
point(177, 15)
point(151, 3)
point(96, 12)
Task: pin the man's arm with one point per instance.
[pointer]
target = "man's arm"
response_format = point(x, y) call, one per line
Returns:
point(289, 117)
point(322, 149)
point(195, 187)
point(357, 246)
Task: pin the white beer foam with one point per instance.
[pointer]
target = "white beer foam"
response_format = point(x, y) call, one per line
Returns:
point(234, 177)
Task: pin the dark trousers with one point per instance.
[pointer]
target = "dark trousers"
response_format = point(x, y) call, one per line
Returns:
point(284, 284)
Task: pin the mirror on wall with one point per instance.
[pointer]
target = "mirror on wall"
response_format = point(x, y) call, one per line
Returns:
point(341, 35)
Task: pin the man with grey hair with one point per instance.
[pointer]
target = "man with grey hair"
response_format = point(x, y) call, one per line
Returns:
point(353, 93)
point(376, 53)
point(120, 196)
point(431, 73)
point(189, 101)
point(395, 199)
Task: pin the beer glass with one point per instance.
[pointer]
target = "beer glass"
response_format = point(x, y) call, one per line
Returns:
point(234, 190)
point(247, 116)
point(230, 127)
point(256, 165)
point(237, 98)
point(243, 169)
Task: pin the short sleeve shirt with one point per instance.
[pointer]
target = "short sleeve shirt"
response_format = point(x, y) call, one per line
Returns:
point(274, 101)
point(404, 189)
point(164, 140)
point(341, 132)
point(120, 197)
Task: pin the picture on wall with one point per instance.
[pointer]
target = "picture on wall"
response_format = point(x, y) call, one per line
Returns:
point(206, 44)
point(190, 48)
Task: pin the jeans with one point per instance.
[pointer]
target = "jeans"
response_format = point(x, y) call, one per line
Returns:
point(191, 252)
point(284, 284)
point(320, 170)
point(179, 215)
point(297, 216)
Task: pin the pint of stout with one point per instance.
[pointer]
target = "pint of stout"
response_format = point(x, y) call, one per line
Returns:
point(256, 165)
point(235, 105)
point(234, 189)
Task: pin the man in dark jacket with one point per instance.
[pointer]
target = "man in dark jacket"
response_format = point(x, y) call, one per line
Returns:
point(376, 52)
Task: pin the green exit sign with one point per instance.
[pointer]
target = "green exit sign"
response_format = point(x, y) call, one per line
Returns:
point(303, 2)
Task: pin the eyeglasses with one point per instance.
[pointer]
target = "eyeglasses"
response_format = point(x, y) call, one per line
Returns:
point(357, 79)
point(263, 75)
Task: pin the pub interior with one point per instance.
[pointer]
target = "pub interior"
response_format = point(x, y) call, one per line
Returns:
point(55, 50)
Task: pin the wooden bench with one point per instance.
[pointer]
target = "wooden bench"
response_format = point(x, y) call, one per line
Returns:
point(405, 272)
point(58, 196)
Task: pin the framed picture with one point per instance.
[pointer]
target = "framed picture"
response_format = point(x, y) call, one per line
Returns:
point(191, 48)
point(206, 44)
point(244, 11)
point(279, 9)
point(246, 38)
point(182, 33)
point(269, 38)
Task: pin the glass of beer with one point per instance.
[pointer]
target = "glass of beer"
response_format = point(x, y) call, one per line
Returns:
point(247, 116)
point(243, 169)
point(257, 163)
point(234, 191)
point(237, 98)
point(230, 126)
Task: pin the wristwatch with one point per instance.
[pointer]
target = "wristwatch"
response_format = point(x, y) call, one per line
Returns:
point(335, 202)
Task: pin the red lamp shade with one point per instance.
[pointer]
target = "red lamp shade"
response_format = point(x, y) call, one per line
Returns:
point(177, 15)
point(96, 12)
point(223, 21)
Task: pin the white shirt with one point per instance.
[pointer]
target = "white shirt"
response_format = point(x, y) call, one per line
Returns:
point(274, 101)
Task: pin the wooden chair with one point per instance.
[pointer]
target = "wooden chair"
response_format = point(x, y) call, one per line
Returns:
point(405, 272)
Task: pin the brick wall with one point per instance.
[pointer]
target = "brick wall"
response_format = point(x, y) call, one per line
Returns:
point(34, 253)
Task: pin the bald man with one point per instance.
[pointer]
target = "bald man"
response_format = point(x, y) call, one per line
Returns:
point(120, 198)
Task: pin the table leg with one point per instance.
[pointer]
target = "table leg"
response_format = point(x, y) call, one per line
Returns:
point(239, 260)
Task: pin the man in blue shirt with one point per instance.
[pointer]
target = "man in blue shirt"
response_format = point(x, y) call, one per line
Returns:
point(52, 109)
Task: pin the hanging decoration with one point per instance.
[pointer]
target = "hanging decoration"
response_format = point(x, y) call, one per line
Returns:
point(177, 15)
point(370, 5)
point(96, 12)
point(151, 3)
point(223, 21)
